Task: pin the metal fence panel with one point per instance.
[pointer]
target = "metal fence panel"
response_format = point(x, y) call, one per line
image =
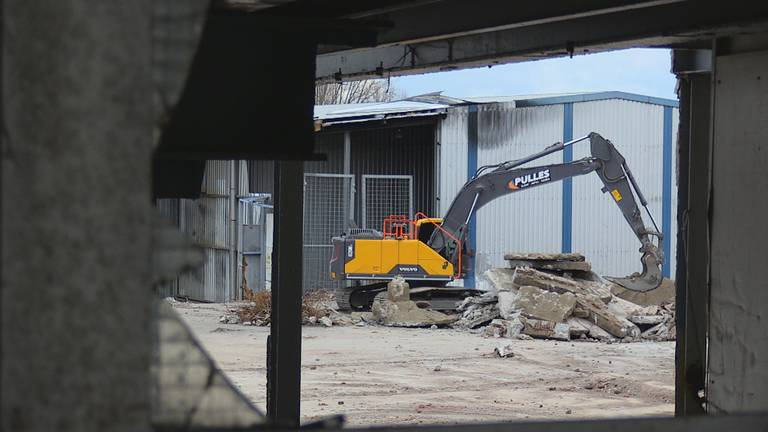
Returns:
point(385, 195)
point(328, 208)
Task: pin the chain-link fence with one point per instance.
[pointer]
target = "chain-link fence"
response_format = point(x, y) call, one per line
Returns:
point(328, 208)
point(385, 195)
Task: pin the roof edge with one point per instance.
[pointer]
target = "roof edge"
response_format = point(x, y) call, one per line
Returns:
point(589, 97)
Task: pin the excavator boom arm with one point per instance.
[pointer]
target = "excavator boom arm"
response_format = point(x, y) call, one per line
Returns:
point(492, 182)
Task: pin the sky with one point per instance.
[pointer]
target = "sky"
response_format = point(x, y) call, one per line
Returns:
point(642, 71)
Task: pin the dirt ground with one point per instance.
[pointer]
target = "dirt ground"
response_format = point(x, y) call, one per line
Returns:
point(379, 375)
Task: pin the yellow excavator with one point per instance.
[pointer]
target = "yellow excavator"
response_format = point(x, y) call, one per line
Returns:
point(430, 252)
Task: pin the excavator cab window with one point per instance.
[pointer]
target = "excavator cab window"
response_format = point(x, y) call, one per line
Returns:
point(425, 232)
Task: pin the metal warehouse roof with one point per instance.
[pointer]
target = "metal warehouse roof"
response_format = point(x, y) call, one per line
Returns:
point(435, 103)
point(335, 114)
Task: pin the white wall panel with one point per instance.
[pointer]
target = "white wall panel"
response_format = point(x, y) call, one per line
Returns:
point(453, 156)
point(599, 229)
point(527, 221)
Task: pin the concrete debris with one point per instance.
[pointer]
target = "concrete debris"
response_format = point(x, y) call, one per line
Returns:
point(229, 319)
point(577, 329)
point(474, 315)
point(325, 321)
point(546, 329)
point(398, 290)
point(533, 302)
point(497, 328)
point(593, 330)
point(403, 312)
point(536, 299)
point(646, 319)
point(504, 351)
point(501, 279)
point(507, 304)
point(552, 265)
point(600, 314)
point(544, 256)
point(548, 282)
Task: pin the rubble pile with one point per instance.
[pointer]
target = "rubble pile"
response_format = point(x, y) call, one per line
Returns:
point(395, 308)
point(318, 307)
point(556, 296)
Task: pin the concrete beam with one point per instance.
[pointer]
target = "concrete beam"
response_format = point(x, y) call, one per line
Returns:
point(690, 61)
point(662, 25)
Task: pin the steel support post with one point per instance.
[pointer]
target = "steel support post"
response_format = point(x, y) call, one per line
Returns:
point(693, 244)
point(284, 360)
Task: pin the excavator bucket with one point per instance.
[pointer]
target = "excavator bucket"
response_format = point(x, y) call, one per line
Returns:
point(649, 279)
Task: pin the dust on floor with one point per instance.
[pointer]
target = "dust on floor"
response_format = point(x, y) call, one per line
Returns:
point(380, 375)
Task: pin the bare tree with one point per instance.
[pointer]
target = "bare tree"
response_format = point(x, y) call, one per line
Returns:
point(354, 92)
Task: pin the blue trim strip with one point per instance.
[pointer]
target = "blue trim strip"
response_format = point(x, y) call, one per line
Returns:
point(588, 97)
point(666, 192)
point(472, 134)
point(566, 243)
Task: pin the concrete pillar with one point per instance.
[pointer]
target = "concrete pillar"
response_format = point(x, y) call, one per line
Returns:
point(737, 377)
point(75, 228)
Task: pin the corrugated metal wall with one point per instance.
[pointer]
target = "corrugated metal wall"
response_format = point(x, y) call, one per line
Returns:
point(262, 172)
point(533, 221)
point(529, 221)
point(332, 144)
point(599, 230)
point(453, 155)
point(406, 150)
point(207, 221)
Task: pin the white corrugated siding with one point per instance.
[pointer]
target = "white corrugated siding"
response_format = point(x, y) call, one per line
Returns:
point(206, 220)
point(453, 156)
point(599, 230)
point(530, 221)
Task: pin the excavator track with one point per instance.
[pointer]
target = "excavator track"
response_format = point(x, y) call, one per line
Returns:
point(442, 298)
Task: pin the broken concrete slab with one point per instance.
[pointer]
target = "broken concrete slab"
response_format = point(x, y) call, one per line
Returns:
point(407, 314)
point(497, 329)
point(402, 312)
point(549, 282)
point(577, 328)
point(646, 319)
point(506, 304)
point(600, 314)
point(546, 329)
point(501, 279)
point(552, 265)
point(544, 256)
point(398, 290)
point(661, 331)
point(623, 308)
point(484, 299)
point(515, 327)
point(477, 315)
point(536, 303)
point(593, 330)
